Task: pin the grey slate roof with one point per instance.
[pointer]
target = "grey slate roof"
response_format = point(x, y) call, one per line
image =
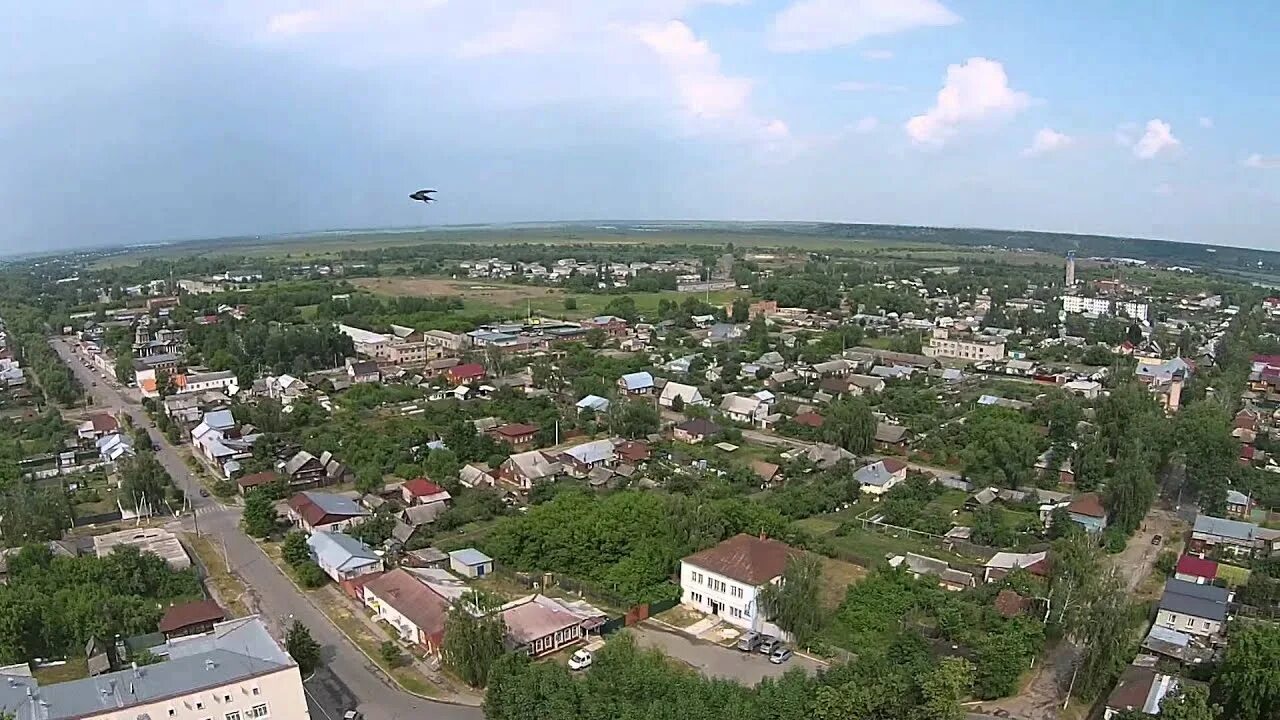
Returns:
point(237, 650)
point(1202, 601)
point(340, 551)
point(470, 557)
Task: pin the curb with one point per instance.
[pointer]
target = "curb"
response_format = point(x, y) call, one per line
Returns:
point(351, 641)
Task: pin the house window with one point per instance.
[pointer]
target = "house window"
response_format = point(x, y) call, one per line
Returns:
point(233, 715)
point(199, 705)
point(172, 712)
point(1191, 622)
point(257, 691)
point(226, 698)
point(257, 711)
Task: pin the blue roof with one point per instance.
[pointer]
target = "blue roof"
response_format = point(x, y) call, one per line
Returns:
point(335, 504)
point(637, 380)
point(470, 557)
point(219, 419)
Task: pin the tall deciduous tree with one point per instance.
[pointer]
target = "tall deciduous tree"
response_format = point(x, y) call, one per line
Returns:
point(1000, 448)
point(850, 424)
point(793, 603)
point(1190, 702)
point(1247, 684)
point(259, 514)
point(944, 688)
point(472, 644)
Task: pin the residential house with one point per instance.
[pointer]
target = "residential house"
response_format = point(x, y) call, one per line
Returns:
point(756, 410)
point(190, 618)
point(466, 373)
point(1231, 537)
point(1199, 610)
point(695, 431)
point(343, 557)
point(881, 476)
point(476, 475)
point(402, 601)
point(594, 403)
point(303, 469)
point(725, 580)
point(470, 563)
point(1088, 512)
point(1050, 464)
point(539, 625)
point(324, 512)
point(636, 383)
point(947, 578)
point(768, 472)
point(632, 452)
point(517, 435)
point(688, 395)
point(582, 459)
point(825, 456)
point(808, 419)
point(831, 368)
point(865, 384)
point(363, 372)
point(253, 481)
point(1239, 505)
point(1196, 570)
point(524, 469)
point(1003, 563)
point(891, 437)
point(421, 491)
point(97, 425)
point(1139, 689)
point(113, 447)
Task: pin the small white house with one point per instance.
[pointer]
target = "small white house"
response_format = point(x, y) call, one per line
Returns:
point(689, 394)
point(725, 580)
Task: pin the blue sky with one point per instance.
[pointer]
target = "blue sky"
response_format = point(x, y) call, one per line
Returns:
point(147, 121)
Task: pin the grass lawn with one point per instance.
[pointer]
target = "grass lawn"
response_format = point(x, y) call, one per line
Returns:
point(946, 502)
point(466, 536)
point(1233, 576)
point(872, 548)
point(75, 668)
point(837, 576)
point(223, 584)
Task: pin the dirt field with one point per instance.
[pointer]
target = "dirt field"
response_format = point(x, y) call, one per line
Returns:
point(837, 576)
point(487, 292)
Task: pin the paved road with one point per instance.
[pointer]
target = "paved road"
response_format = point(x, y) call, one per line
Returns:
point(348, 674)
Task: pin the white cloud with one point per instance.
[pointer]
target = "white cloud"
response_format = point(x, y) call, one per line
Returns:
point(523, 32)
point(329, 16)
point(1206, 123)
point(1163, 189)
point(860, 86)
point(704, 90)
point(977, 90)
point(877, 54)
point(1047, 140)
point(824, 24)
point(1157, 138)
point(866, 125)
point(1259, 161)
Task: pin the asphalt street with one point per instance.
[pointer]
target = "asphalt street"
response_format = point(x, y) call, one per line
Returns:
point(348, 676)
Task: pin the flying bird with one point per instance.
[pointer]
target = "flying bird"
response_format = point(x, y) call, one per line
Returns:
point(423, 196)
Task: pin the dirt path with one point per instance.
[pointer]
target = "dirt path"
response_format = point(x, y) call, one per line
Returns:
point(1041, 698)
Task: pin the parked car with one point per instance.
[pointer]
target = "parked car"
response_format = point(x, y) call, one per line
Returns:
point(204, 493)
point(352, 715)
point(780, 654)
point(580, 660)
point(767, 644)
point(1156, 540)
point(749, 641)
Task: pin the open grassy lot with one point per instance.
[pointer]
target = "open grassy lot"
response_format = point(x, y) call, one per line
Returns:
point(513, 299)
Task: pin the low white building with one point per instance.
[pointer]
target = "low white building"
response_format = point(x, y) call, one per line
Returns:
point(726, 580)
point(688, 394)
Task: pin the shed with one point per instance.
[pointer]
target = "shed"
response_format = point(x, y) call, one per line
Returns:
point(470, 562)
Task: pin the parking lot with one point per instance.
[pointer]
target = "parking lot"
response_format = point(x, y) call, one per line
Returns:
point(714, 660)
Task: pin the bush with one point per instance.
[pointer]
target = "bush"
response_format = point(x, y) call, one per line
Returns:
point(1167, 562)
point(390, 653)
point(310, 575)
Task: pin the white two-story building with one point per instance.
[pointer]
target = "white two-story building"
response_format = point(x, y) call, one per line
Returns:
point(726, 580)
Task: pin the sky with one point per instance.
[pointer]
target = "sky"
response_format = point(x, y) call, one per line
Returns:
point(148, 121)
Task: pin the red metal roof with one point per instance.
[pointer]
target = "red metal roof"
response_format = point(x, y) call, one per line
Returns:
point(1197, 567)
point(422, 487)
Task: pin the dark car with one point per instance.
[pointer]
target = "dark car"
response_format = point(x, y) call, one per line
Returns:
point(1156, 540)
point(204, 493)
point(767, 645)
